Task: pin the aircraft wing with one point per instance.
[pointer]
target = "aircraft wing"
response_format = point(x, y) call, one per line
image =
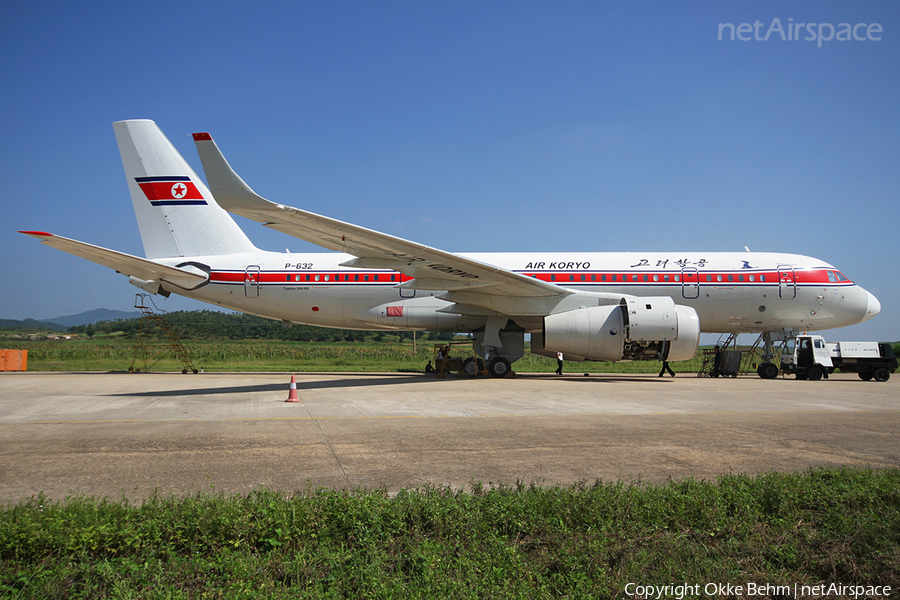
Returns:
point(433, 269)
point(133, 266)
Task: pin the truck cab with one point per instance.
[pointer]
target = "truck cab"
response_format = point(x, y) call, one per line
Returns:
point(808, 357)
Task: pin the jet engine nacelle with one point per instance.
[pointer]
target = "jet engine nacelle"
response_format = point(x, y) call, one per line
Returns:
point(640, 328)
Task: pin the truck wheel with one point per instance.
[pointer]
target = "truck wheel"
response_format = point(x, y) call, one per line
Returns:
point(767, 371)
point(814, 373)
point(499, 367)
point(882, 374)
point(865, 375)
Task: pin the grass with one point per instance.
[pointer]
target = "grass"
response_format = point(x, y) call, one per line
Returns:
point(116, 355)
point(583, 541)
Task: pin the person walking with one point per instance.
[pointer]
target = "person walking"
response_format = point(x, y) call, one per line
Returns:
point(717, 362)
point(559, 359)
point(665, 368)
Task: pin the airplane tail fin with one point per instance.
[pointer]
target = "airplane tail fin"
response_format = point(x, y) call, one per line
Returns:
point(176, 213)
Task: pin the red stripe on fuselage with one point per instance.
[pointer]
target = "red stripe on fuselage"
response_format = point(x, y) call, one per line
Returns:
point(721, 278)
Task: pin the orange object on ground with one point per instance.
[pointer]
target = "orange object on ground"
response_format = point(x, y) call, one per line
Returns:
point(13, 360)
point(292, 395)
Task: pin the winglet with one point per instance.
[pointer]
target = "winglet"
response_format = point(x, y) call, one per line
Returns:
point(229, 190)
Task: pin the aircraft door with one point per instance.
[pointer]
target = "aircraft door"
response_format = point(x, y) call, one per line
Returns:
point(251, 281)
point(690, 283)
point(787, 286)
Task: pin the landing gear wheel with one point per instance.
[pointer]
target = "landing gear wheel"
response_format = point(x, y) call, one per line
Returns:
point(767, 371)
point(865, 375)
point(472, 367)
point(499, 367)
point(882, 374)
point(814, 373)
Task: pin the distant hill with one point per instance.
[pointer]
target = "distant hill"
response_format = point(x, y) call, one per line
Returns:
point(91, 316)
point(31, 324)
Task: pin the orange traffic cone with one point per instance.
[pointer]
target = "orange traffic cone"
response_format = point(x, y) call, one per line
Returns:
point(292, 396)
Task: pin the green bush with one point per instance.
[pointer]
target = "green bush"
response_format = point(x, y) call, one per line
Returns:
point(493, 541)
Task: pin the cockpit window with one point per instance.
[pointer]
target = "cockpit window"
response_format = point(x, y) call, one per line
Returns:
point(832, 277)
point(841, 276)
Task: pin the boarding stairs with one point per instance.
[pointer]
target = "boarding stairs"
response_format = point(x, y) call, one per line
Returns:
point(147, 354)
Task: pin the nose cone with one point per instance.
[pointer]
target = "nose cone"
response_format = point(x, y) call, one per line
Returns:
point(873, 307)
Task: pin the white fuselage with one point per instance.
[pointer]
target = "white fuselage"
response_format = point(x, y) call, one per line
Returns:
point(731, 292)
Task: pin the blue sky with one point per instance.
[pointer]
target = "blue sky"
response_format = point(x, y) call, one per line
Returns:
point(467, 126)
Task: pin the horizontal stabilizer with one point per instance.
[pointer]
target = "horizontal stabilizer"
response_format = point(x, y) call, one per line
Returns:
point(188, 277)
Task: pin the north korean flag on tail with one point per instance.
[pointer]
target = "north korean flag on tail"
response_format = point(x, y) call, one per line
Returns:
point(170, 191)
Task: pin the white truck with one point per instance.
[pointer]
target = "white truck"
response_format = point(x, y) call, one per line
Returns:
point(811, 357)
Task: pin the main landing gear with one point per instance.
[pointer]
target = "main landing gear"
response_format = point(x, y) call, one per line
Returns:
point(499, 367)
point(496, 367)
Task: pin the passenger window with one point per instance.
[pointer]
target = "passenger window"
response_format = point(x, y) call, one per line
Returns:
point(571, 278)
point(740, 277)
point(356, 277)
point(365, 277)
point(678, 278)
point(752, 277)
point(709, 277)
point(553, 278)
point(593, 278)
point(731, 278)
point(582, 277)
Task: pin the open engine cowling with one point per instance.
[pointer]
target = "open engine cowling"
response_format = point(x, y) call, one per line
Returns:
point(649, 328)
